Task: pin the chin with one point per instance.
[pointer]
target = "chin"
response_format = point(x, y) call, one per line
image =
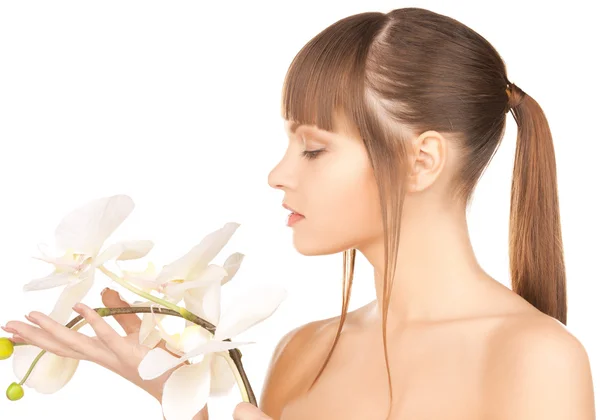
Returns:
point(309, 245)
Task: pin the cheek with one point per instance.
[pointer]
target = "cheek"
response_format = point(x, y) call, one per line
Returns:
point(344, 209)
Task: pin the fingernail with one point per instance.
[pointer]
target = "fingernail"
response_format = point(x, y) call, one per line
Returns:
point(31, 318)
point(9, 330)
point(78, 307)
point(103, 290)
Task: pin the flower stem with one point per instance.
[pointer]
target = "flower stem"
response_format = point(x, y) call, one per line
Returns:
point(137, 291)
point(39, 356)
point(234, 359)
point(242, 381)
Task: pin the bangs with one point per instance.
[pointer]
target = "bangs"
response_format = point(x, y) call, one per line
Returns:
point(327, 76)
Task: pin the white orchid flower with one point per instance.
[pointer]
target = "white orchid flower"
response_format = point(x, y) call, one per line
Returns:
point(51, 372)
point(188, 278)
point(145, 281)
point(188, 388)
point(191, 289)
point(80, 235)
point(79, 238)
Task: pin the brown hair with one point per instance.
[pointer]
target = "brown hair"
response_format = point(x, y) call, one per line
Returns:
point(413, 70)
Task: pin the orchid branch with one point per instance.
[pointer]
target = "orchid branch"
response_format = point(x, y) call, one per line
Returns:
point(181, 311)
point(234, 358)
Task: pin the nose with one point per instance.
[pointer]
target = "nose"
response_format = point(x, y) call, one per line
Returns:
point(274, 177)
point(280, 177)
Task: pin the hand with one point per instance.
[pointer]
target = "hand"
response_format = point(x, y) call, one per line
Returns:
point(108, 349)
point(246, 411)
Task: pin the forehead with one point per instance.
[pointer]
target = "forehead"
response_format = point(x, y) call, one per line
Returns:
point(291, 126)
point(341, 126)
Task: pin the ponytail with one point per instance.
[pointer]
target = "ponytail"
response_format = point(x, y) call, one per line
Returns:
point(535, 241)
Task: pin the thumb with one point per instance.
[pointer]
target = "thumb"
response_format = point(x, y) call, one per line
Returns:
point(247, 411)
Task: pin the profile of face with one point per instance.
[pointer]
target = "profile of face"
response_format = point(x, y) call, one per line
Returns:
point(327, 177)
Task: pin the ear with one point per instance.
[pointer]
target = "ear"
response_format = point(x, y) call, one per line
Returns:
point(430, 151)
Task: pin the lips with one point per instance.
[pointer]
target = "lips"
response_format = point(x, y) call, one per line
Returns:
point(285, 206)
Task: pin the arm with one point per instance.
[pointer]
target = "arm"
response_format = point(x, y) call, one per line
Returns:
point(283, 375)
point(540, 372)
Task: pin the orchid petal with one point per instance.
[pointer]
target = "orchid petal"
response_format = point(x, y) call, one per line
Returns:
point(147, 326)
point(66, 262)
point(125, 250)
point(47, 251)
point(142, 304)
point(211, 246)
point(57, 261)
point(152, 339)
point(232, 265)
point(212, 275)
point(86, 228)
point(186, 391)
point(174, 350)
point(145, 280)
point(248, 310)
point(222, 378)
point(51, 373)
point(194, 336)
point(180, 268)
point(214, 346)
point(205, 301)
point(197, 258)
point(72, 294)
point(171, 339)
point(158, 361)
point(55, 279)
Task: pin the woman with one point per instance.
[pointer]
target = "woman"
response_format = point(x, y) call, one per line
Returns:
point(392, 119)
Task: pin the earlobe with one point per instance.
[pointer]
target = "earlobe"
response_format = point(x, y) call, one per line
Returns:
point(428, 160)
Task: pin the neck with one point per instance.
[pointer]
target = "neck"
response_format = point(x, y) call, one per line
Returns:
point(436, 271)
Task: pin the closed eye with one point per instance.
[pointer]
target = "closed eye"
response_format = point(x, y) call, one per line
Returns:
point(311, 154)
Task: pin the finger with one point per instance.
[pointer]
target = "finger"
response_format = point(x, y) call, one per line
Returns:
point(103, 330)
point(130, 323)
point(81, 343)
point(247, 411)
point(17, 339)
point(40, 338)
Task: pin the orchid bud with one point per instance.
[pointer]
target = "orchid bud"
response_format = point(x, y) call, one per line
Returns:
point(15, 392)
point(6, 348)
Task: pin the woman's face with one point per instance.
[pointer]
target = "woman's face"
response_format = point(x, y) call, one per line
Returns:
point(327, 177)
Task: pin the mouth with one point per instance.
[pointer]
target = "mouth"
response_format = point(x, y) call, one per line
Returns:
point(285, 206)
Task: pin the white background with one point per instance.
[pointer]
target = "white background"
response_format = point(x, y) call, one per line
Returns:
point(178, 105)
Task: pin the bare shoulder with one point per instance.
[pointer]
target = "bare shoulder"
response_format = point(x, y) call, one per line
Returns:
point(293, 359)
point(536, 369)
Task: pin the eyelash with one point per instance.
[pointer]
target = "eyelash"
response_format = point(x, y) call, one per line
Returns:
point(311, 154)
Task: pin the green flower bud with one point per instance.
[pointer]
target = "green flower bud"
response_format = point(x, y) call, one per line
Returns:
point(6, 348)
point(15, 392)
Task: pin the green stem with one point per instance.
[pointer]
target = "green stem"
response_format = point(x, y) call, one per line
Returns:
point(234, 357)
point(238, 378)
point(139, 292)
point(39, 356)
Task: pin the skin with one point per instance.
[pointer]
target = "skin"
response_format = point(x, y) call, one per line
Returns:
point(449, 322)
point(460, 344)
